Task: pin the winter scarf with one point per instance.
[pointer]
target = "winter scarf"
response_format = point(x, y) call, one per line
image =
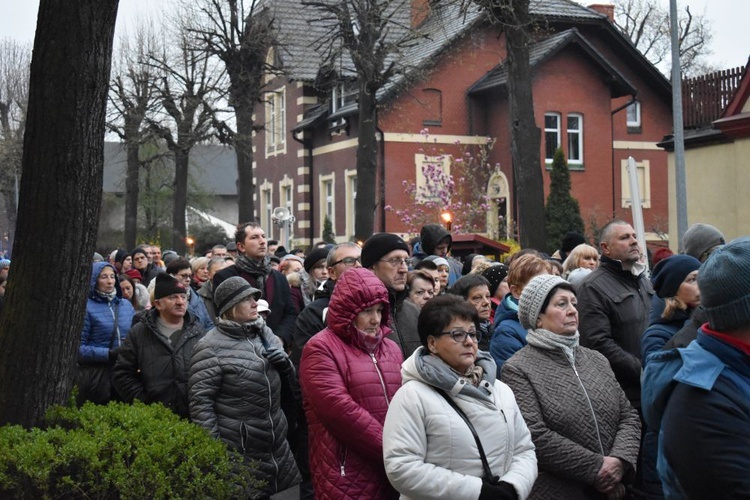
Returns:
point(545, 339)
point(259, 269)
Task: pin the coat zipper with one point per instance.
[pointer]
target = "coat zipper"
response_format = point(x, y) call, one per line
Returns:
point(266, 364)
point(380, 376)
point(591, 407)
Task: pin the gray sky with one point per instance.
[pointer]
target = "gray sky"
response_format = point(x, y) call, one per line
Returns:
point(728, 18)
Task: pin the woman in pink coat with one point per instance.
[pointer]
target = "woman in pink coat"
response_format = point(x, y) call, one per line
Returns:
point(349, 373)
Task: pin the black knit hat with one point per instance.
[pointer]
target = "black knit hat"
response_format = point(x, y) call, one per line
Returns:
point(166, 285)
point(570, 241)
point(120, 255)
point(380, 244)
point(669, 274)
point(314, 257)
point(495, 275)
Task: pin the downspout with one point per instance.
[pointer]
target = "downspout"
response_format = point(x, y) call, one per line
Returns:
point(308, 145)
point(612, 128)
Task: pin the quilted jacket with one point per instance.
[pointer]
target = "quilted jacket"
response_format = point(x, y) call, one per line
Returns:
point(347, 390)
point(509, 336)
point(151, 369)
point(556, 400)
point(235, 393)
point(429, 450)
point(98, 324)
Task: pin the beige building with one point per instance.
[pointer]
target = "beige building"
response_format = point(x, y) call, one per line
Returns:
point(717, 167)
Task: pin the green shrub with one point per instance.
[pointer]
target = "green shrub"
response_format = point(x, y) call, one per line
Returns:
point(118, 451)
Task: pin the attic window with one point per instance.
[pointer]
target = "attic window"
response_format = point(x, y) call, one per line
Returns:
point(432, 101)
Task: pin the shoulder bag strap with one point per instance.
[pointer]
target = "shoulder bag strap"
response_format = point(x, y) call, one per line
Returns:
point(485, 464)
point(116, 329)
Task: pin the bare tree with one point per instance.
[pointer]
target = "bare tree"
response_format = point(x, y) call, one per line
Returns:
point(240, 33)
point(373, 35)
point(512, 17)
point(189, 88)
point(60, 198)
point(15, 59)
point(131, 99)
point(646, 23)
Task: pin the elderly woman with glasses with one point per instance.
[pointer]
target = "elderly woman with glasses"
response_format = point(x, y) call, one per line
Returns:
point(453, 430)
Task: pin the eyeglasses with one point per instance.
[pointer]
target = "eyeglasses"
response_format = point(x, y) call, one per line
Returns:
point(185, 276)
point(347, 261)
point(460, 336)
point(397, 262)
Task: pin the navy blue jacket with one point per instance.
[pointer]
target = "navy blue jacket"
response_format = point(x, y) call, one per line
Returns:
point(99, 325)
point(509, 336)
point(698, 398)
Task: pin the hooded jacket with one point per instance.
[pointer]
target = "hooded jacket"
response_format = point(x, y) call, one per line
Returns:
point(509, 336)
point(698, 400)
point(98, 323)
point(429, 451)
point(347, 389)
point(235, 394)
point(151, 369)
point(660, 330)
point(430, 236)
point(577, 415)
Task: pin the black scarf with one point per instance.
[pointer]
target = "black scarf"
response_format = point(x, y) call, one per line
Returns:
point(258, 269)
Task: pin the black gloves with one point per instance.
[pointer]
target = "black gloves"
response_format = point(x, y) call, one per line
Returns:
point(113, 354)
point(501, 491)
point(280, 361)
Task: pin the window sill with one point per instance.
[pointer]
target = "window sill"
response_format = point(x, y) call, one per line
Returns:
point(635, 130)
point(575, 167)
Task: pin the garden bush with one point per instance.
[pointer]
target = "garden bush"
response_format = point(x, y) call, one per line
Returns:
point(118, 451)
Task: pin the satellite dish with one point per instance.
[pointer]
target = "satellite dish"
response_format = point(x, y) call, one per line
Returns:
point(281, 214)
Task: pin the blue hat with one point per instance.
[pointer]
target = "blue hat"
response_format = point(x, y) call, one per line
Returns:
point(4, 263)
point(724, 283)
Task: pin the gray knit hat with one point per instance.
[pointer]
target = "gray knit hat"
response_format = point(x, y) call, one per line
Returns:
point(533, 296)
point(700, 238)
point(231, 292)
point(724, 283)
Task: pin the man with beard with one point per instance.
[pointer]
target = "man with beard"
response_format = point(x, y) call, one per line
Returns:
point(254, 265)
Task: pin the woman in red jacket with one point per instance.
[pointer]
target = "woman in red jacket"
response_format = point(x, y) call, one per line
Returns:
point(349, 373)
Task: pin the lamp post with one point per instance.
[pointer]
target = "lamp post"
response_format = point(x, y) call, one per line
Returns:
point(190, 242)
point(447, 220)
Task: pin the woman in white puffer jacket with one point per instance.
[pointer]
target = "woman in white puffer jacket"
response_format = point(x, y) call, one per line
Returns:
point(429, 450)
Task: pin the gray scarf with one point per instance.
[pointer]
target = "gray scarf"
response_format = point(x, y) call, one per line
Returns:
point(109, 297)
point(258, 269)
point(545, 339)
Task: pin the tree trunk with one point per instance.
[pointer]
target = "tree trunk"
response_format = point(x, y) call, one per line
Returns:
point(131, 195)
point(525, 135)
point(61, 192)
point(367, 161)
point(179, 200)
point(243, 147)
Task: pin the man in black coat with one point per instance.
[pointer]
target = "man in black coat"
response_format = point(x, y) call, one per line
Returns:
point(254, 265)
point(154, 361)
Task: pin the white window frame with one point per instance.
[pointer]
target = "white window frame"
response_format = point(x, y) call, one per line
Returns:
point(276, 122)
point(634, 108)
point(557, 131)
point(326, 200)
point(644, 183)
point(575, 136)
point(351, 200)
point(266, 208)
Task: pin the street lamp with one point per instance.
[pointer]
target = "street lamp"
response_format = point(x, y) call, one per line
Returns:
point(190, 242)
point(447, 220)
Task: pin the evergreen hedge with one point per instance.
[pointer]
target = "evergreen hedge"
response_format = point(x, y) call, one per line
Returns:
point(118, 451)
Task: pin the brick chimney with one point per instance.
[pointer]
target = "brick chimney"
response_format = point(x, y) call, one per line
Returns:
point(420, 9)
point(608, 9)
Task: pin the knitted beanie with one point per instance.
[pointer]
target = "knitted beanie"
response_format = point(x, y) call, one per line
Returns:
point(120, 255)
point(700, 238)
point(669, 274)
point(134, 273)
point(314, 257)
point(4, 263)
point(532, 298)
point(166, 285)
point(570, 241)
point(380, 244)
point(724, 283)
point(231, 292)
point(439, 261)
point(495, 275)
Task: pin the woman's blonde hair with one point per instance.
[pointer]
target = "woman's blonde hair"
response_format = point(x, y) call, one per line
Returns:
point(671, 306)
point(574, 257)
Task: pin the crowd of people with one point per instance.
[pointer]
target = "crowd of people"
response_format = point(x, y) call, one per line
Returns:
point(393, 369)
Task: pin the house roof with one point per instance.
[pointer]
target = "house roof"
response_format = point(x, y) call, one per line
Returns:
point(548, 48)
point(212, 167)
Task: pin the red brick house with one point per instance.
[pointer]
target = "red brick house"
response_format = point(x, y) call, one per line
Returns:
point(595, 96)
